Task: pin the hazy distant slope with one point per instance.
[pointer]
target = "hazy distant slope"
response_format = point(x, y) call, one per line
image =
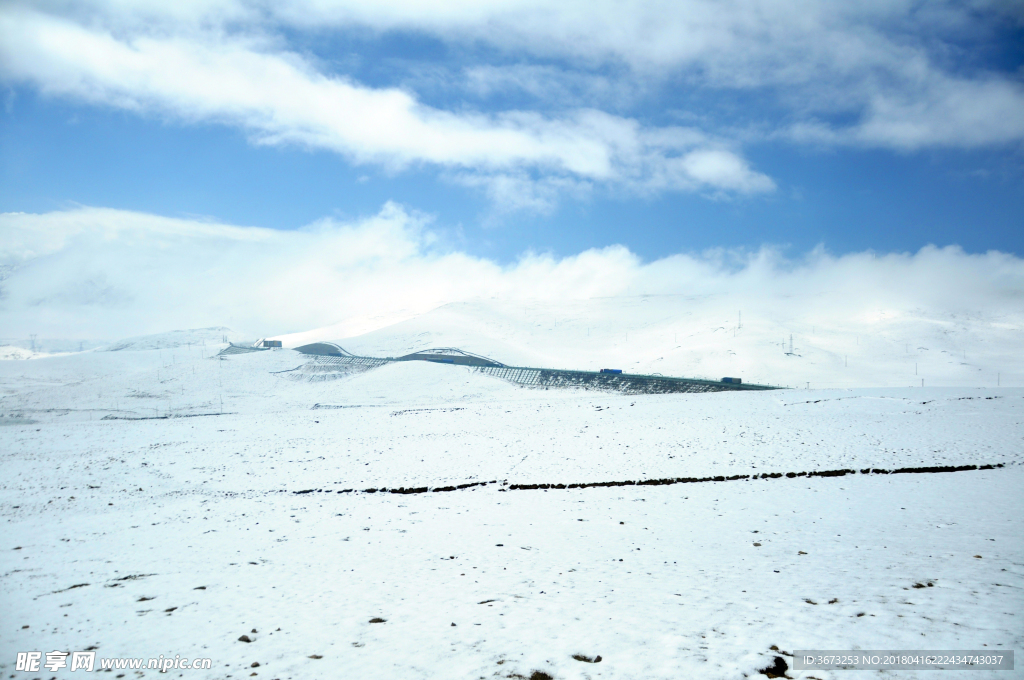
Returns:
point(213, 336)
point(703, 337)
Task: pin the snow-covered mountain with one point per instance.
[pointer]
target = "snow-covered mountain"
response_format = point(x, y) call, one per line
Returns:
point(216, 336)
point(788, 342)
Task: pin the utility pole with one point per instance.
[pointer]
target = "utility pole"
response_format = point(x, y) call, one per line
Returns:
point(32, 338)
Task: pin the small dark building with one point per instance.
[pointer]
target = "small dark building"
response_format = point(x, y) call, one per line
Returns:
point(271, 343)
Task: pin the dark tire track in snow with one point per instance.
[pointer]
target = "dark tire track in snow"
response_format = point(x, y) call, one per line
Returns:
point(933, 469)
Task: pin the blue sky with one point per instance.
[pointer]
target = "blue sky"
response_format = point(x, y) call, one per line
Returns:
point(56, 154)
point(511, 127)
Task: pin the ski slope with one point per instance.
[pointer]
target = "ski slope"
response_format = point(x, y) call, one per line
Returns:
point(151, 506)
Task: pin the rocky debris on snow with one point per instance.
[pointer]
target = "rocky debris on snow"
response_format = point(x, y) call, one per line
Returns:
point(777, 669)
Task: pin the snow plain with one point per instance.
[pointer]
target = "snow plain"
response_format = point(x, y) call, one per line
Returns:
point(149, 508)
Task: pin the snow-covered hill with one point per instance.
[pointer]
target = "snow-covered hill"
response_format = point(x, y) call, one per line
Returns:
point(215, 336)
point(11, 352)
point(714, 336)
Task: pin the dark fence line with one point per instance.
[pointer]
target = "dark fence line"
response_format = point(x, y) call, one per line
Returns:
point(332, 367)
point(666, 481)
point(171, 416)
point(627, 383)
point(240, 349)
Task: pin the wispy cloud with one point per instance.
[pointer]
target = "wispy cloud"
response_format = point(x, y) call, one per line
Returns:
point(548, 86)
point(93, 272)
point(281, 98)
point(876, 61)
point(592, 82)
point(898, 74)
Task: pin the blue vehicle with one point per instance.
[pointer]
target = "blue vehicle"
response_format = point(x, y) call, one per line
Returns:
point(733, 381)
point(611, 370)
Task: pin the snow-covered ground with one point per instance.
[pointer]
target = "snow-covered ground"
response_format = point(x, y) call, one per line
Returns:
point(11, 352)
point(140, 535)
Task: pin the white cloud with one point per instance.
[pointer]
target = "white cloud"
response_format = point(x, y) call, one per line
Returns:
point(880, 74)
point(898, 67)
point(281, 98)
point(724, 170)
point(947, 112)
point(895, 66)
point(552, 87)
point(516, 192)
point(93, 272)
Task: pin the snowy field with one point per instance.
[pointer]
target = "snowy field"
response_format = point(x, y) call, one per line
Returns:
point(135, 531)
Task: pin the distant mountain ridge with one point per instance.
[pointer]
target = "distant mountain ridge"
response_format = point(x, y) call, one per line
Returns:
point(212, 336)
